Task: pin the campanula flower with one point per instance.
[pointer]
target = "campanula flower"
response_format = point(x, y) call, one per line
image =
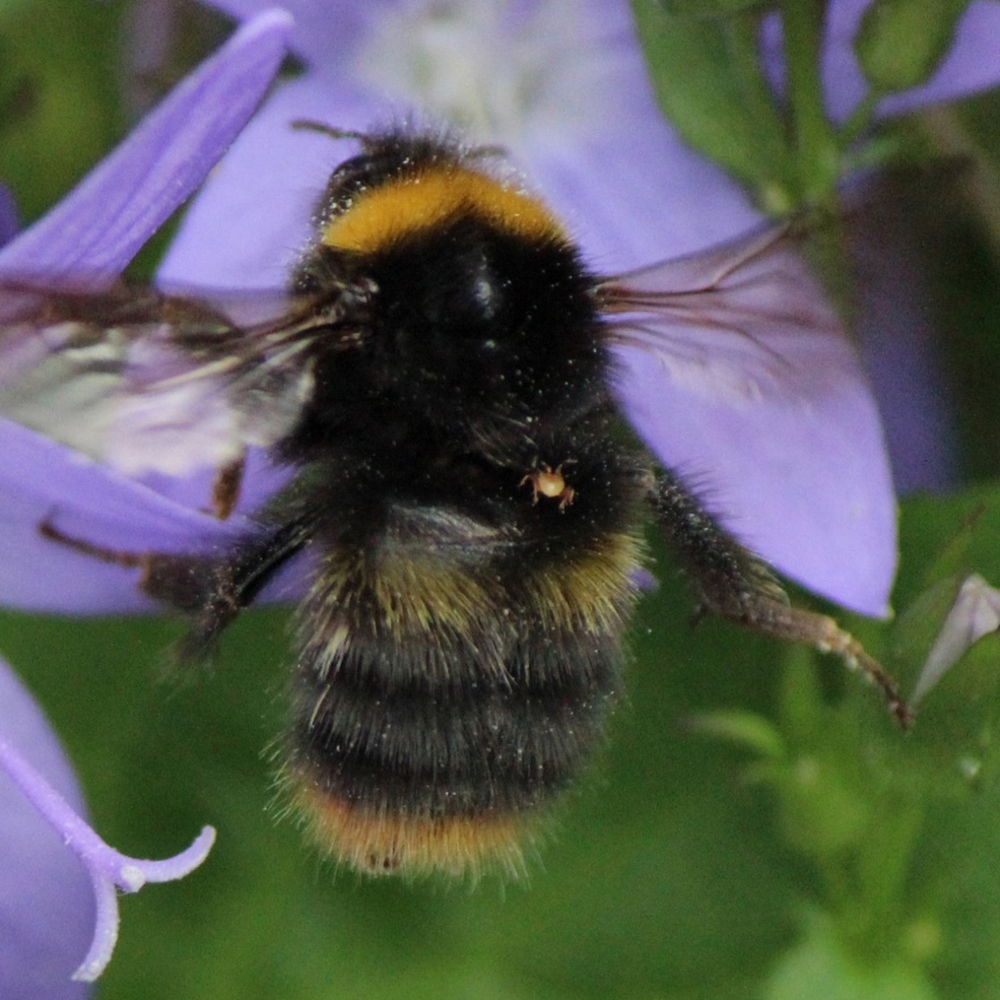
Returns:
point(48, 893)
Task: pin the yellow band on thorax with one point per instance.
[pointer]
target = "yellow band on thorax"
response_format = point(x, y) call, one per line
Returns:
point(407, 205)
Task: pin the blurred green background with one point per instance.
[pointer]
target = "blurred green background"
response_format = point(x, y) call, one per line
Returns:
point(756, 826)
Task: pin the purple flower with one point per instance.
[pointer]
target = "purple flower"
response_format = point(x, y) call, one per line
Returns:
point(969, 66)
point(895, 330)
point(46, 900)
point(8, 216)
point(893, 312)
point(810, 491)
point(47, 894)
point(96, 230)
point(47, 917)
point(565, 89)
point(46, 906)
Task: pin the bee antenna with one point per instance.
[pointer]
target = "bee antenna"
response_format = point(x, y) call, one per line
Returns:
point(310, 125)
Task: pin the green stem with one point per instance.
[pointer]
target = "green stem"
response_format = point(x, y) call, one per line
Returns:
point(815, 142)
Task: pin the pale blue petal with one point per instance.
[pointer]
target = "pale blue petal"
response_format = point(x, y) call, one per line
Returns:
point(46, 900)
point(807, 488)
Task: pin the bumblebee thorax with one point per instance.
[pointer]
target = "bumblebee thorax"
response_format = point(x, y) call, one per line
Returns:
point(480, 308)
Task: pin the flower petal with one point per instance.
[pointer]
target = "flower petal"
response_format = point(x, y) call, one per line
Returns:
point(972, 63)
point(106, 219)
point(107, 867)
point(807, 488)
point(894, 327)
point(975, 614)
point(46, 902)
point(42, 481)
point(253, 217)
point(98, 227)
point(664, 201)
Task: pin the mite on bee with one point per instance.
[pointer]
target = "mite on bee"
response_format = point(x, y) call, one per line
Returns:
point(441, 350)
point(550, 483)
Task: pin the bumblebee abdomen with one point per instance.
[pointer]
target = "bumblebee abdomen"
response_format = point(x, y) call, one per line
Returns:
point(435, 726)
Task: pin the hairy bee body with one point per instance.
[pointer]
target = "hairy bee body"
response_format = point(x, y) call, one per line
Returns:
point(461, 641)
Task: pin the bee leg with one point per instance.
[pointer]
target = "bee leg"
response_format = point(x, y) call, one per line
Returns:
point(178, 580)
point(211, 590)
point(129, 560)
point(214, 590)
point(733, 583)
point(226, 488)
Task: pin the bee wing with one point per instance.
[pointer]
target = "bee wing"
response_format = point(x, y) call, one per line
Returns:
point(44, 482)
point(148, 382)
point(98, 386)
point(738, 373)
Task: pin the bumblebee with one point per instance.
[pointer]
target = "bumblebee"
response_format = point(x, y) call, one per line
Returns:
point(465, 496)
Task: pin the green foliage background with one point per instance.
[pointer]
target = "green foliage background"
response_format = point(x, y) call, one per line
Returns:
point(756, 826)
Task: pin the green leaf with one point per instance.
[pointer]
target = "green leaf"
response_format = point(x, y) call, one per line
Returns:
point(941, 537)
point(823, 810)
point(901, 42)
point(749, 730)
point(708, 80)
